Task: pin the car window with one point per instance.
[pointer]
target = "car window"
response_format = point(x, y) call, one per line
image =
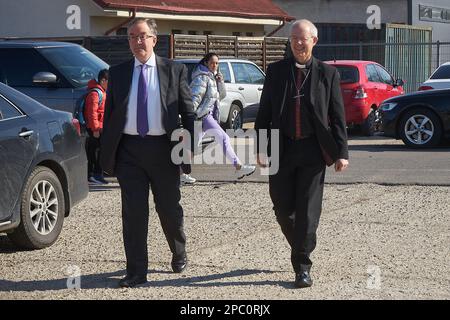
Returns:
point(240, 73)
point(372, 74)
point(348, 74)
point(223, 66)
point(256, 75)
point(77, 64)
point(384, 75)
point(7, 111)
point(18, 66)
point(443, 72)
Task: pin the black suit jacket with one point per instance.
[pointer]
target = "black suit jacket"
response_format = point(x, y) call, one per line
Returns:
point(325, 106)
point(175, 100)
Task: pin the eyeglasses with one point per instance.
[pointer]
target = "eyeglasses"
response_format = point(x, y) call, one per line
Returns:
point(298, 39)
point(141, 37)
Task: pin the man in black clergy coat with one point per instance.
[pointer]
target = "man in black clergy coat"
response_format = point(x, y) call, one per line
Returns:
point(145, 97)
point(302, 99)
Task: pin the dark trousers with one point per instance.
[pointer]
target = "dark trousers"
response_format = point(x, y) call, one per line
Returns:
point(296, 192)
point(144, 163)
point(93, 155)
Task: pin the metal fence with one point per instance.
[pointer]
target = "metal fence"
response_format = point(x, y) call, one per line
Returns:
point(412, 62)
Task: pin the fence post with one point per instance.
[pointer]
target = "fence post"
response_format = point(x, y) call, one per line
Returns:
point(236, 43)
point(172, 46)
point(360, 51)
point(264, 54)
point(438, 53)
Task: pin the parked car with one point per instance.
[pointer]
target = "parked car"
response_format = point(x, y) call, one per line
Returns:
point(53, 73)
point(244, 82)
point(439, 79)
point(364, 85)
point(43, 169)
point(420, 119)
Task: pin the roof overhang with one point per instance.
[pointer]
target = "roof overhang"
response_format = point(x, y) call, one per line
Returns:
point(196, 18)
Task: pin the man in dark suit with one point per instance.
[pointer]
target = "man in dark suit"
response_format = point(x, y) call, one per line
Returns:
point(146, 95)
point(302, 99)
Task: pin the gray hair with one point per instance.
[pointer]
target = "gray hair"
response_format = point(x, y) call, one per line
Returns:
point(312, 27)
point(150, 22)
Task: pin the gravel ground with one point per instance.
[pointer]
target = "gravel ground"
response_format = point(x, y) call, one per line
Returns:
point(374, 242)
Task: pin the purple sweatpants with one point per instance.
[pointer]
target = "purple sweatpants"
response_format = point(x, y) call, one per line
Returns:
point(220, 137)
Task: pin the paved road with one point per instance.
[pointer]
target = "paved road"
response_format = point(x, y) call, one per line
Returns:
point(374, 241)
point(372, 160)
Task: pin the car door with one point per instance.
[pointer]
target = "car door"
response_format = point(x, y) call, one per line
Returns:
point(374, 85)
point(387, 90)
point(243, 83)
point(18, 66)
point(257, 78)
point(18, 144)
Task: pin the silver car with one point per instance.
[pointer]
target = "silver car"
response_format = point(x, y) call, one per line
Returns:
point(244, 82)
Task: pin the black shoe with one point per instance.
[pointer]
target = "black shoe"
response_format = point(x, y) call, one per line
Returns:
point(303, 280)
point(179, 263)
point(132, 281)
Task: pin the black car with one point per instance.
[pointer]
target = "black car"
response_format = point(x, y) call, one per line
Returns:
point(420, 119)
point(54, 73)
point(43, 169)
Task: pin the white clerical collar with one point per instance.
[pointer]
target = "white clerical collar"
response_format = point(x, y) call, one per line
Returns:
point(151, 62)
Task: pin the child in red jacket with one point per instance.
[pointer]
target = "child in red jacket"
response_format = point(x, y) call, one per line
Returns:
point(93, 113)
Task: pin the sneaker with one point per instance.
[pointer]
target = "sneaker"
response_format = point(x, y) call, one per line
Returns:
point(185, 178)
point(101, 179)
point(93, 180)
point(245, 170)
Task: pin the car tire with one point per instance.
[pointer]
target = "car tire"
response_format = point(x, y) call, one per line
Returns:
point(369, 126)
point(234, 118)
point(427, 135)
point(41, 211)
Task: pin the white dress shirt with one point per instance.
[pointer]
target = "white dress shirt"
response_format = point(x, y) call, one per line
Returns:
point(154, 109)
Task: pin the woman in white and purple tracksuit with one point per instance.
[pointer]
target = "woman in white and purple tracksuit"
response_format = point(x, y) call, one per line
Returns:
point(207, 89)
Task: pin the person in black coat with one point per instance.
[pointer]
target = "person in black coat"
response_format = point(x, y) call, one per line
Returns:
point(146, 96)
point(302, 100)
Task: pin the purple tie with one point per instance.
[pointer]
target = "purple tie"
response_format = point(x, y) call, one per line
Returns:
point(141, 116)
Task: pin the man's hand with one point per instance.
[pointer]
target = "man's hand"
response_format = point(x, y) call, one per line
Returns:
point(340, 165)
point(261, 158)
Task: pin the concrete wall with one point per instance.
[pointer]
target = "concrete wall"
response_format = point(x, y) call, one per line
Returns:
point(342, 11)
point(101, 24)
point(441, 30)
point(48, 18)
point(44, 18)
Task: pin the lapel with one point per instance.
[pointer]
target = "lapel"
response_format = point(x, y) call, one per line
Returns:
point(163, 75)
point(315, 76)
point(126, 79)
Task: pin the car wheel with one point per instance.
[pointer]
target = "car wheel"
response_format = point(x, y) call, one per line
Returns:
point(420, 128)
point(234, 118)
point(41, 211)
point(369, 126)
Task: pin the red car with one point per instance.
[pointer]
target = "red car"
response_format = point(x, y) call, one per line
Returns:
point(364, 85)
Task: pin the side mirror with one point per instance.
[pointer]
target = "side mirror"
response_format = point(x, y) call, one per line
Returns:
point(44, 78)
point(399, 82)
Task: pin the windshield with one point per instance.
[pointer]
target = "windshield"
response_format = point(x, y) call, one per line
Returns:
point(443, 72)
point(77, 64)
